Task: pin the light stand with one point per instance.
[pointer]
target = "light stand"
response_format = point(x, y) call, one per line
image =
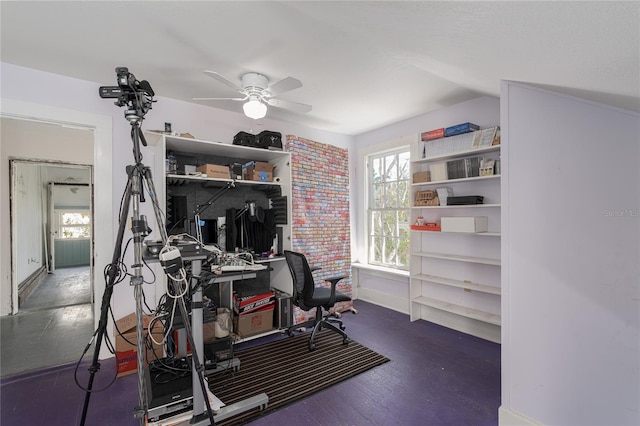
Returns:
point(138, 97)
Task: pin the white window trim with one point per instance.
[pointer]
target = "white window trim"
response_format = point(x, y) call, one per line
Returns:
point(60, 226)
point(362, 245)
point(378, 154)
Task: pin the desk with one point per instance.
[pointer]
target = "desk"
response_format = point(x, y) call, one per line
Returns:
point(199, 416)
point(227, 411)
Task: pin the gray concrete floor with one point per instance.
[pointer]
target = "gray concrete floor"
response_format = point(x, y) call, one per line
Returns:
point(53, 325)
point(63, 287)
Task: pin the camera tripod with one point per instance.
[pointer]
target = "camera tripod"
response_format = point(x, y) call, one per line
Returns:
point(133, 196)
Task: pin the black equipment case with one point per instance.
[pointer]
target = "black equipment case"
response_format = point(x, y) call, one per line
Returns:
point(265, 139)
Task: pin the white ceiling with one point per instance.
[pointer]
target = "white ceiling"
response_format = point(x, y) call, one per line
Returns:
point(363, 64)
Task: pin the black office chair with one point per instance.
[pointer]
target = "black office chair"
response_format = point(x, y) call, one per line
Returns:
point(306, 295)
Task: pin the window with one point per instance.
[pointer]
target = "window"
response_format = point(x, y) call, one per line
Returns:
point(74, 224)
point(388, 208)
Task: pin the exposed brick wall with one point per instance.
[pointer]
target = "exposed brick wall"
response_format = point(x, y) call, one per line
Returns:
point(320, 186)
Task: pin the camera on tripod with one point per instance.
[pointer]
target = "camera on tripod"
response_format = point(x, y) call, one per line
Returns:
point(134, 94)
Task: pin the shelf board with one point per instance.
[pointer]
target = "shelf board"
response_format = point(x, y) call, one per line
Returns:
point(257, 336)
point(222, 149)
point(467, 285)
point(480, 234)
point(459, 310)
point(216, 180)
point(451, 181)
point(464, 206)
point(457, 258)
point(466, 153)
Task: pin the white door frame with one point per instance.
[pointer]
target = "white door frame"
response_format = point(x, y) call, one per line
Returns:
point(103, 179)
point(48, 239)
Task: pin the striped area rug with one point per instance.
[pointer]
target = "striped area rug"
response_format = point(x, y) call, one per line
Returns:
point(286, 371)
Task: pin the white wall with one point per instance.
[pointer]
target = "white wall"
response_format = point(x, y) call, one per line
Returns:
point(570, 255)
point(375, 286)
point(28, 200)
point(50, 90)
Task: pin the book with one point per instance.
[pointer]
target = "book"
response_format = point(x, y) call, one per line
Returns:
point(486, 137)
point(432, 134)
point(472, 167)
point(456, 169)
point(461, 128)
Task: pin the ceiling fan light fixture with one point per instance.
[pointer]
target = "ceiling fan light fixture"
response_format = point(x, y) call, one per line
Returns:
point(254, 108)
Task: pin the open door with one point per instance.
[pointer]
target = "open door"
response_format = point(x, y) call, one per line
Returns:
point(50, 230)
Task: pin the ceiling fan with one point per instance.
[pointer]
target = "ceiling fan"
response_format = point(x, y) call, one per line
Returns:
point(258, 93)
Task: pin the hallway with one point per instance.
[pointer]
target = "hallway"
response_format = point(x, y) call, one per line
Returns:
point(63, 287)
point(53, 325)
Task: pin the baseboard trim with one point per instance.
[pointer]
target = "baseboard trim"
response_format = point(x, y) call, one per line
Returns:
point(507, 417)
point(386, 300)
point(29, 285)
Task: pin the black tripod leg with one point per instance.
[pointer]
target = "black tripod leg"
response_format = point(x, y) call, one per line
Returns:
point(106, 299)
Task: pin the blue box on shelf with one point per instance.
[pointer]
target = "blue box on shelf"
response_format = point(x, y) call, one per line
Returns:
point(461, 128)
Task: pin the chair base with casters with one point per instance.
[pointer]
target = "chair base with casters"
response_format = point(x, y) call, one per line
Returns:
point(320, 322)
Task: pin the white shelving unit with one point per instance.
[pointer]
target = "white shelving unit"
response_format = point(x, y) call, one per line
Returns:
point(161, 144)
point(455, 277)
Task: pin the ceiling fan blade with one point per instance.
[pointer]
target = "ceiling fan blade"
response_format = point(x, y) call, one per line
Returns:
point(293, 106)
point(222, 79)
point(284, 85)
point(220, 99)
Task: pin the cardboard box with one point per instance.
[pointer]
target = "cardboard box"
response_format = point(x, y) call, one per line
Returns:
point(259, 176)
point(254, 323)
point(214, 171)
point(464, 224)
point(126, 345)
point(208, 336)
point(421, 177)
point(129, 322)
point(258, 170)
point(259, 166)
point(244, 305)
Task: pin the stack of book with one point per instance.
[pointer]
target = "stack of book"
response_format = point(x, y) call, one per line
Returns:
point(460, 138)
point(463, 168)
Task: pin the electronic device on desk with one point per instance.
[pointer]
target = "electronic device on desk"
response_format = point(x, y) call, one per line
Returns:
point(153, 247)
point(218, 351)
point(187, 247)
point(241, 262)
point(168, 393)
point(283, 317)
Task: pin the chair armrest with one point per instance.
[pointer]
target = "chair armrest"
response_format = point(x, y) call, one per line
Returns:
point(315, 268)
point(334, 282)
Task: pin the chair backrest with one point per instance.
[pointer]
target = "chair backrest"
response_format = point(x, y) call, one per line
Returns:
point(303, 281)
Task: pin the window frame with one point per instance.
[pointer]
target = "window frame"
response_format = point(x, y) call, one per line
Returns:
point(405, 210)
point(61, 226)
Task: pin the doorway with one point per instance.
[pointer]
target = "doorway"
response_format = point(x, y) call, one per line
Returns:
point(47, 326)
point(52, 233)
point(101, 126)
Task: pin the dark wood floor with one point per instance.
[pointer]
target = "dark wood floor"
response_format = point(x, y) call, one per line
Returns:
point(436, 376)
